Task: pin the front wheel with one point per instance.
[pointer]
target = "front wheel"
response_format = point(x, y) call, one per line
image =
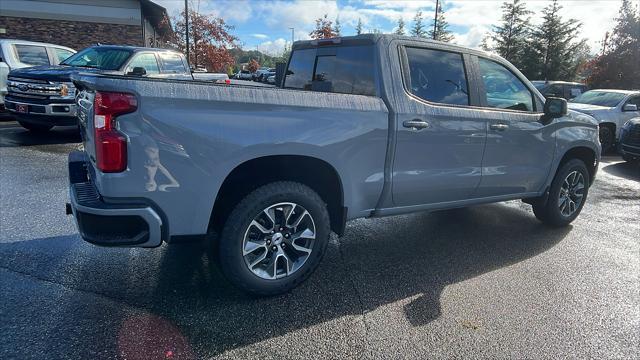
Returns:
point(274, 238)
point(567, 195)
point(35, 127)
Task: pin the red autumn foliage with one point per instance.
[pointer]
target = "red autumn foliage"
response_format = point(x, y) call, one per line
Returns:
point(210, 39)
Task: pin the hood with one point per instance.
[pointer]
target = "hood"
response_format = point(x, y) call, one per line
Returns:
point(586, 107)
point(598, 112)
point(50, 73)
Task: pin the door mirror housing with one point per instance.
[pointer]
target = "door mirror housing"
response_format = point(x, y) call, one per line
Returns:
point(630, 107)
point(555, 107)
point(138, 71)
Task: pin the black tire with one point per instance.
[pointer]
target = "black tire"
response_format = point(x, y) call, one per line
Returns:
point(607, 138)
point(230, 246)
point(37, 128)
point(629, 158)
point(549, 212)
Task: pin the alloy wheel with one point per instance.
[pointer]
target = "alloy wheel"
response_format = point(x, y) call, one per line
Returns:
point(279, 240)
point(571, 193)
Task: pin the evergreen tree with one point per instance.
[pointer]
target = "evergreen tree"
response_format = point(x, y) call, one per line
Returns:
point(618, 66)
point(440, 28)
point(510, 37)
point(400, 29)
point(337, 28)
point(418, 27)
point(359, 27)
point(552, 53)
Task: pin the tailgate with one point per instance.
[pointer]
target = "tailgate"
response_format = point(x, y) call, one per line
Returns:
point(84, 101)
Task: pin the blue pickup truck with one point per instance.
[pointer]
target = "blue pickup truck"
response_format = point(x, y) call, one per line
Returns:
point(364, 126)
point(42, 97)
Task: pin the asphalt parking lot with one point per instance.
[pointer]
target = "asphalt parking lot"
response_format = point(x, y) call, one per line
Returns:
point(483, 282)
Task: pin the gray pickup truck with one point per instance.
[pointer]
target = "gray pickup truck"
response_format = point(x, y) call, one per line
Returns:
point(365, 126)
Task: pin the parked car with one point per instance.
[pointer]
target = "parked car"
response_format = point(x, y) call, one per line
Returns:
point(43, 97)
point(612, 108)
point(17, 54)
point(244, 75)
point(265, 76)
point(259, 74)
point(630, 140)
point(364, 126)
point(271, 79)
point(562, 89)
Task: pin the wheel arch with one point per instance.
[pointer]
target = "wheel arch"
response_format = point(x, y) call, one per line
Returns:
point(316, 173)
point(584, 153)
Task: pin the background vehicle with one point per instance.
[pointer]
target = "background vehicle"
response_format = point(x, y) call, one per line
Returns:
point(43, 96)
point(244, 75)
point(364, 126)
point(630, 140)
point(266, 75)
point(561, 89)
point(259, 74)
point(612, 108)
point(17, 54)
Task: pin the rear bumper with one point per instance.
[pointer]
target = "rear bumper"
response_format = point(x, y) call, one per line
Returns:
point(133, 224)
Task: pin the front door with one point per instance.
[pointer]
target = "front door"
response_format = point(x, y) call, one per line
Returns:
point(520, 148)
point(440, 137)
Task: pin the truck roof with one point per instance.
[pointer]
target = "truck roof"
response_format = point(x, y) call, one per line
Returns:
point(136, 48)
point(25, 42)
point(626, 92)
point(364, 39)
point(556, 82)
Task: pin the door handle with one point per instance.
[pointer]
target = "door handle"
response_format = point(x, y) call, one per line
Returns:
point(415, 124)
point(499, 127)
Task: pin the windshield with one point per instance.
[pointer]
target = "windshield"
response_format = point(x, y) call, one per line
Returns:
point(99, 58)
point(599, 98)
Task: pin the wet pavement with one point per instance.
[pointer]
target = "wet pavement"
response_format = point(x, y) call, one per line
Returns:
point(484, 282)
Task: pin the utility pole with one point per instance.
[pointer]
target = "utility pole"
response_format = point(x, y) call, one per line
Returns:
point(435, 20)
point(291, 37)
point(186, 26)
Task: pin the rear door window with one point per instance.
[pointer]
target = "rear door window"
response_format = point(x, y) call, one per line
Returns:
point(172, 64)
point(437, 76)
point(503, 89)
point(32, 54)
point(61, 54)
point(340, 69)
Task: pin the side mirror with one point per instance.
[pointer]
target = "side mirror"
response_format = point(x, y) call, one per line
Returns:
point(555, 107)
point(138, 71)
point(630, 107)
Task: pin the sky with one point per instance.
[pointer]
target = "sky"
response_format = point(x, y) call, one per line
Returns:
point(266, 25)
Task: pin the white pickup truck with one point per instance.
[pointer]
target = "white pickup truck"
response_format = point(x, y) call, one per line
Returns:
point(17, 54)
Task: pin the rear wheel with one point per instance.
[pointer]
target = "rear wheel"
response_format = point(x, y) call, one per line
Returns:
point(607, 138)
point(35, 127)
point(274, 238)
point(567, 195)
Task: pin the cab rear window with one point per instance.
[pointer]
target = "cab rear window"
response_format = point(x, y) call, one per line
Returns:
point(344, 69)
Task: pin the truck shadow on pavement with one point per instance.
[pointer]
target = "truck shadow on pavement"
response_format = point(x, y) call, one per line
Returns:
point(409, 258)
point(627, 170)
point(13, 135)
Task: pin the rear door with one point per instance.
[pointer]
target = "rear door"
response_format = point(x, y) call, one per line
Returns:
point(520, 147)
point(174, 67)
point(440, 131)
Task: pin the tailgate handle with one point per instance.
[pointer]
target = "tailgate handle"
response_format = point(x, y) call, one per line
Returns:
point(499, 127)
point(415, 124)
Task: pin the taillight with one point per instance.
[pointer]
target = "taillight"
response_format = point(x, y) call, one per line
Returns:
point(111, 145)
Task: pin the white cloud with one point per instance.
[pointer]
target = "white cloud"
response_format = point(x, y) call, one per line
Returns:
point(260, 36)
point(275, 47)
point(473, 37)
